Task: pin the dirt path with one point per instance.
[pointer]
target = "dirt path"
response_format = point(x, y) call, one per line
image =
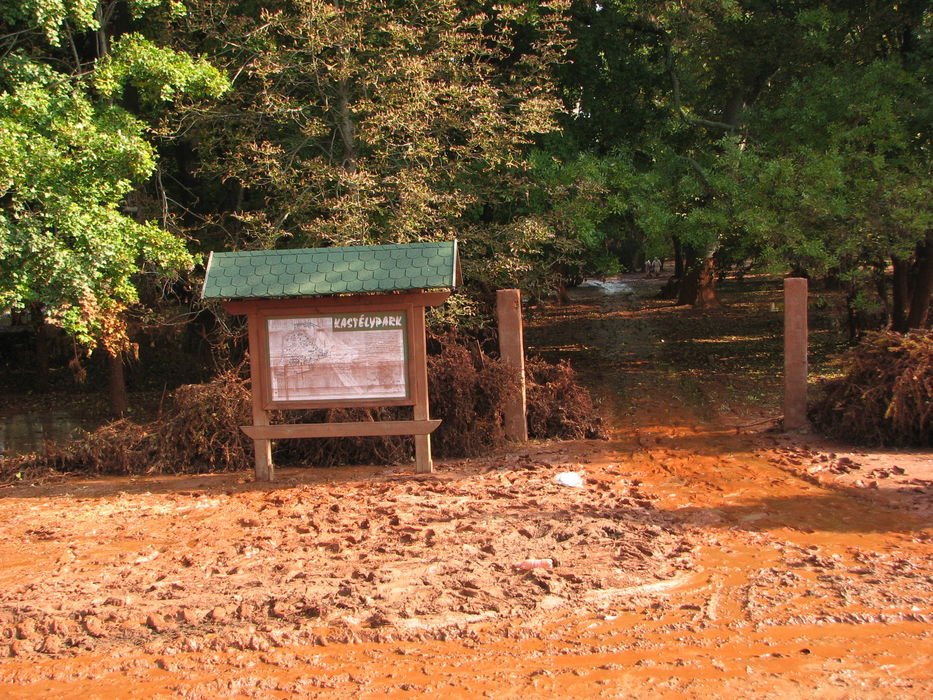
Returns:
point(702, 556)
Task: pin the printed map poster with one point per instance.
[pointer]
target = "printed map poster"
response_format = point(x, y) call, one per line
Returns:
point(337, 357)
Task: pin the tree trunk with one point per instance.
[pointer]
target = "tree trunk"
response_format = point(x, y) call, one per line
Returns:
point(881, 287)
point(899, 304)
point(706, 285)
point(689, 287)
point(923, 286)
point(852, 318)
point(116, 382)
point(562, 297)
point(103, 41)
point(346, 127)
point(679, 265)
point(41, 330)
point(698, 286)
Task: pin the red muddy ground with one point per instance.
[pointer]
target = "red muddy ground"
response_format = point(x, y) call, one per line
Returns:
point(704, 555)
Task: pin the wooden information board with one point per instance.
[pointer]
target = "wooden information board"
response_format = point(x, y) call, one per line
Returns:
point(334, 357)
point(338, 327)
point(338, 352)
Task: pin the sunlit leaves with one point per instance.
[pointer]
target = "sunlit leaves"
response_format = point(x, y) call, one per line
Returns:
point(69, 156)
point(845, 167)
point(366, 122)
point(65, 165)
point(48, 16)
point(159, 74)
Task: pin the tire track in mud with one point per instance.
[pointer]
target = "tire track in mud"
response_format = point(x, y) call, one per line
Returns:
point(780, 550)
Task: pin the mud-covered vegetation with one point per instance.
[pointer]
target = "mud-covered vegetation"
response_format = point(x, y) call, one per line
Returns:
point(558, 406)
point(885, 396)
point(199, 428)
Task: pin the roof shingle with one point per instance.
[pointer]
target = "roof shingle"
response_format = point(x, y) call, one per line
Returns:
point(327, 271)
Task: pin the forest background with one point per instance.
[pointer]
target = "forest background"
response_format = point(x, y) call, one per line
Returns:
point(554, 140)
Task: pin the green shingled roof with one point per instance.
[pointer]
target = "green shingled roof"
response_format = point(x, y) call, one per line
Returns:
point(264, 274)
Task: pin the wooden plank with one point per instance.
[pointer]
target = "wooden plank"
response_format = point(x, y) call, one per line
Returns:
point(330, 430)
point(512, 351)
point(331, 403)
point(265, 470)
point(795, 353)
point(418, 380)
point(325, 305)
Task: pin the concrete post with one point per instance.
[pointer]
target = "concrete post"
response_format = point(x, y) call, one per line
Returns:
point(795, 353)
point(512, 350)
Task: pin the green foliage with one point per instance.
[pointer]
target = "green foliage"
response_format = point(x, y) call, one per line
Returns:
point(48, 16)
point(791, 134)
point(366, 122)
point(614, 84)
point(139, 8)
point(583, 203)
point(158, 74)
point(845, 168)
point(65, 165)
point(68, 159)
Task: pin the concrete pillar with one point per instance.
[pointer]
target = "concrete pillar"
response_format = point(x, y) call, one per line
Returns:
point(512, 350)
point(795, 353)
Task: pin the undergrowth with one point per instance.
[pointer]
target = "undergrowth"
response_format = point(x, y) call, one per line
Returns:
point(199, 430)
point(885, 396)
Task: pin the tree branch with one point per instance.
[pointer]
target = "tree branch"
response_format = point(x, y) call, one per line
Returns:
point(698, 169)
point(74, 48)
point(675, 89)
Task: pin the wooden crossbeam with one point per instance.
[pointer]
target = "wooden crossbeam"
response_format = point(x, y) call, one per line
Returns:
point(330, 430)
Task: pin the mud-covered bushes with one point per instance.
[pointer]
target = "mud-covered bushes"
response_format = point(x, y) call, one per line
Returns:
point(468, 390)
point(198, 432)
point(886, 394)
point(336, 451)
point(558, 406)
point(200, 428)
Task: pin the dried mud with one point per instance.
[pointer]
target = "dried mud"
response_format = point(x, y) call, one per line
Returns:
point(703, 554)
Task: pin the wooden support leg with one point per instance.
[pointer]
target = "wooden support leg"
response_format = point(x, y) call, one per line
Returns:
point(264, 467)
point(419, 385)
point(423, 462)
point(265, 470)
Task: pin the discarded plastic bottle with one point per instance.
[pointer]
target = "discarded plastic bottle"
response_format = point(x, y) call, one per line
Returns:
point(530, 564)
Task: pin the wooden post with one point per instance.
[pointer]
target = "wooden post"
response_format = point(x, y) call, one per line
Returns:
point(512, 350)
point(795, 353)
point(265, 470)
point(419, 386)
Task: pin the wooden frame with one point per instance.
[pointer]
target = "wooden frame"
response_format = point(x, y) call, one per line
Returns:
point(259, 311)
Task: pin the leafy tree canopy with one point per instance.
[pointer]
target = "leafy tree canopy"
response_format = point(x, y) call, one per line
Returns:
point(355, 121)
point(69, 155)
point(790, 133)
